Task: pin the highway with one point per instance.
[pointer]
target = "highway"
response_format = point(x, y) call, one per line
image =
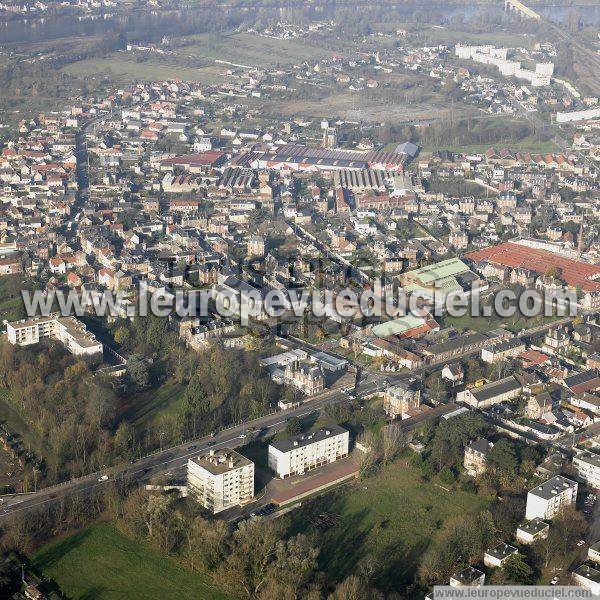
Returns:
point(175, 458)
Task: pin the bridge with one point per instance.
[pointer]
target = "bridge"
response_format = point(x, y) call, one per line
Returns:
point(521, 9)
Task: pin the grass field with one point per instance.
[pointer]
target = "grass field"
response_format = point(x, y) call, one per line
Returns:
point(99, 563)
point(525, 145)
point(482, 324)
point(124, 68)
point(252, 50)
point(149, 404)
point(392, 517)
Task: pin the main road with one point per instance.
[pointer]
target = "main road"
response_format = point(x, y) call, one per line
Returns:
point(175, 458)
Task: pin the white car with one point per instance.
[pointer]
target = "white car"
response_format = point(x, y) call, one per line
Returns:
point(554, 581)
point(103, 478)
point(581, 543)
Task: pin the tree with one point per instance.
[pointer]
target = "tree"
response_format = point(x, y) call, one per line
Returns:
point(195, 405)
point(137, 371)
point(518, 571)
point(353, 588)
point(245, 570)
point(393, 439)
point(293, 427)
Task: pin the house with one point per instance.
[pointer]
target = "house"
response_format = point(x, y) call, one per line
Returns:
point(220, 479)
point(469, 577)
point(302, 453)
point(399, 399)
point(454, 373)
point(587, 577)
point(492, 393)
point(476, 453)
point(532, 531)
point(546, 500)
point(586, 381)
point(587, 466)
point(498, 555)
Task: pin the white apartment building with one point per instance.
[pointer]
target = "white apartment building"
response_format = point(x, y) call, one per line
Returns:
point(221, 479)
point(546, 500)
point(587, 465)
point(302, 453)
point(68, 330)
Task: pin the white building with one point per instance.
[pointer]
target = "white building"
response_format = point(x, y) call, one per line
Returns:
point(532, 531)
point(498, 555)
point(587, 465)
point(546, 500)
point(469, 577)
point(68, 330)
point(492, 393)
point(578, 115)
point(587, 577)
point(221, 479)
point(302, 453)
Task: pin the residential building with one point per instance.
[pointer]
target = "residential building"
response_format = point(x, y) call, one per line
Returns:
point(399, 399)
point(594, 552)
point(587, 465)
point(546, 500)
point(302, 453)
point(221, 479)
point(499, 351)
point(68, 330)
point(469, 577)
point(498, 555)
point(587, 577)
point(476, 453)
point(532, 531)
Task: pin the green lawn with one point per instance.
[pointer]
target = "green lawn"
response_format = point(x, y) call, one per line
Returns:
point(483, 324)
point(146, 406)
point(525, 145)
point(99, 563)
point(392, 517)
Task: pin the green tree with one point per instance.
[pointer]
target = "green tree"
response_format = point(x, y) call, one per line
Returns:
point(518, 571)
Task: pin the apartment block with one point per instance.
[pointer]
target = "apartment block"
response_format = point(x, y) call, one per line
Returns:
point(587, 465)
point(302, 453)
point(221, 479)
point(546, 500)
point(68, 330)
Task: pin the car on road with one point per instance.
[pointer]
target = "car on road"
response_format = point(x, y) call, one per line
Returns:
point(554, 580)
point(581, 543)
point(103, 478)
point(242, 435)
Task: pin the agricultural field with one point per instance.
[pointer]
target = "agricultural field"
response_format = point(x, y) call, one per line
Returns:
point(101, 563)
point(392, 517)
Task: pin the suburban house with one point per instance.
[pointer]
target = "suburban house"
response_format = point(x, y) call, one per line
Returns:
point(469, 577)
point(476, 453)
point(399, 399)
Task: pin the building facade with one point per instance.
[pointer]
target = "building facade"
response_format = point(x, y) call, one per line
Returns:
point(302, 453)
point(546, 500)
point(221, 479)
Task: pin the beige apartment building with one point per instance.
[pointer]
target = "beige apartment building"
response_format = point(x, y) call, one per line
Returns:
point(220, 479)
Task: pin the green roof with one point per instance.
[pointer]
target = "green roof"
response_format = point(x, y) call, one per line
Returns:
point(441, 270)
point(398, 326)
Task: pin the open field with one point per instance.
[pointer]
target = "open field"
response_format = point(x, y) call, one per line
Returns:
point(447, 35)
point(145, 407)
point(125, 68)
point(392, 516)
point(100, 563)
point(525, 145)
point(252, 50)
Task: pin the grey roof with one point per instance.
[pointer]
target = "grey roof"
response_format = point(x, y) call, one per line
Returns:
point(589, 573)
point(552, 487)
point(501, 551)
point(456, 343)
point(496, 388)
point(306, 439)
point(504, 345)
point(407, 148)
point(482, 446)
point(589, 457)
point(534, 526)
point(468, 575)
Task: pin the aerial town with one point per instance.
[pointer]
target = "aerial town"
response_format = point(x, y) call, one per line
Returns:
point(233, 362)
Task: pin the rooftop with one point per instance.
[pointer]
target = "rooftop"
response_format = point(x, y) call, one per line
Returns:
point(305, 439)
point(221, 461)
point(534, 526)
point(552, 487)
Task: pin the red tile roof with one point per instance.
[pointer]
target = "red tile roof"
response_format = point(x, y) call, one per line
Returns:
point(574, 272)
